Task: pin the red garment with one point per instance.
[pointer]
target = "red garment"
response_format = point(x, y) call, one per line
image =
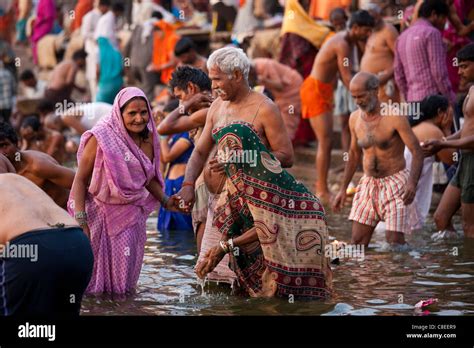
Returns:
point(82, 7)
point(457, 42)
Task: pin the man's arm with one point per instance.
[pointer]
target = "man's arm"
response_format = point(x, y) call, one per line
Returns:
point(276, 134)
point(355, 153)
point(454, 136)
point(175, 123)
point(71, 74)
point(271, 79)
point(201, 151)
point(461, 29)
point(56, 142)
point(410, 140)
point(170, 154)
point(74, 122)
point(53, 172)
point(391, 39)
point(344, 63)
point(399, 71)
point(466, 143)
point(437, 61)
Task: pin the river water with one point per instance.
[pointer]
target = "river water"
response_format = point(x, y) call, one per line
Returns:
point(384, 283)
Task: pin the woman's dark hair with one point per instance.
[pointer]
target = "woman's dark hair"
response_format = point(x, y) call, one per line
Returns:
point(145, 132)
point(7, 132)
point(31, 121)
point(430, 108)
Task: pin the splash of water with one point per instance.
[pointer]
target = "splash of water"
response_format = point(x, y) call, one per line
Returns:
point(202, 283)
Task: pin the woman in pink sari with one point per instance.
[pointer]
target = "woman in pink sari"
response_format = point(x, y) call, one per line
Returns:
point(117, 185)
point(43, 24)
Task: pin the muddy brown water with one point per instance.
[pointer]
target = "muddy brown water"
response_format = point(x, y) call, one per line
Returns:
point(384, 283)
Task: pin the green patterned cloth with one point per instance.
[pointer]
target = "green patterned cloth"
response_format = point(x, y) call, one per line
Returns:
point(289, 256)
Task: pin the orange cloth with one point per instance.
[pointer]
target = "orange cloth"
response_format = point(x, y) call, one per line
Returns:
point(322, 8)
point(164, 41)
point(316, 97)
point(82, 7)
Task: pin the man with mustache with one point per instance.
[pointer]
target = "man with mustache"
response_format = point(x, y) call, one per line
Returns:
point(272, 228)
point(387, 187)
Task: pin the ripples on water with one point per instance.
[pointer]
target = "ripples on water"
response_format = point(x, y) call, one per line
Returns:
point(385, 283)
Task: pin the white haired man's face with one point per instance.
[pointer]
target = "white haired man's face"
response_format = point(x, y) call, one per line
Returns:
point(364, 98)
point(223, 85)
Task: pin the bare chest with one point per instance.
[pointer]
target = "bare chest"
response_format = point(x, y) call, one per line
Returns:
point(377, 44)
point(468, 106)
point(227, 116)
point(374, 135)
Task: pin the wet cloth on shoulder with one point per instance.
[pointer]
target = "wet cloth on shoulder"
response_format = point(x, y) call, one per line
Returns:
point(289, 256)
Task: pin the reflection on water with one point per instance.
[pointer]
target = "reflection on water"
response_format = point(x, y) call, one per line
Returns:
point(385, 283)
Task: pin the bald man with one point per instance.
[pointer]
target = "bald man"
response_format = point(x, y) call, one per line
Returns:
point(45, 258)
point(387, 187)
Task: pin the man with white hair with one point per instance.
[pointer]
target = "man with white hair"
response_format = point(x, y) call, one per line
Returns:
point(387, 188)
point(273, 228)
point(379, 55)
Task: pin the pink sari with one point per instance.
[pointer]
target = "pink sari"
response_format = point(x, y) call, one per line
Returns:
point(117, 201)
point(44, 22)
point(457, 41)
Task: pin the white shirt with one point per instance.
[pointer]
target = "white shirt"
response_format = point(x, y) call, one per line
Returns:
point(94, 112)
point(34, 92)
point(89, 24)
point(91, 112)
point(106, 28)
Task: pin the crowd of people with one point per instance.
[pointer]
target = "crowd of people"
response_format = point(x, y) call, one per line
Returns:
point(120, 112)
